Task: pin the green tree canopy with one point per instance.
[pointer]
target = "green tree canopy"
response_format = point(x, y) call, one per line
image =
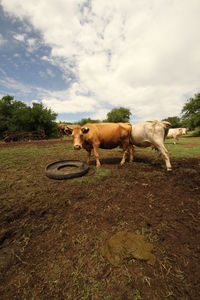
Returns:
point(191, 112)
point(42, 118)
point(175, 121)
point(119, 115)
point(5, 113)
point(87, 120)
point(17, 116)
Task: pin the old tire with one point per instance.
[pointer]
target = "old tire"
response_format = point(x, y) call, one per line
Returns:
point(58, 171)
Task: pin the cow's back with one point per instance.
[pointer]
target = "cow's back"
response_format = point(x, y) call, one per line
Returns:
point(174, 132)
point(108, 135)
point(145, 134)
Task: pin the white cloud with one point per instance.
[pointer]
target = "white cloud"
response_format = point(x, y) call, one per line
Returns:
point(46, 58)
point(50, 73)
point(2, 72)
point(13, 84)
point(32, 44)
point(42, 74)
point(19, 37)
point(2, 40)
point(75, 100)
point(141, 54)
point(99, 114)
point(16, 55)
point(16, 88)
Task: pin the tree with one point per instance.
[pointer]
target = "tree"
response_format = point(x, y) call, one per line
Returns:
point(42, 118)
point(118, 115)
point(87, 120)
point(17, 116)
point(191, 112)
point(175, 121)
point(20, 117)
point(6, 110)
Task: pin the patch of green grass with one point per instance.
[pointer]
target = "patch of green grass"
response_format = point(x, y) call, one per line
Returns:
point(101, 173)
point(93, 176)
point(136, 295)
point(32, 150)
point(20, 155)
point(185, 147)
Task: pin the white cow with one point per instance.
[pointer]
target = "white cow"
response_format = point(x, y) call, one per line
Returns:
point(145, 134)
point(176, 133)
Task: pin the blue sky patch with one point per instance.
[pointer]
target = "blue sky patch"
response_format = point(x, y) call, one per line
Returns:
point(24, 59)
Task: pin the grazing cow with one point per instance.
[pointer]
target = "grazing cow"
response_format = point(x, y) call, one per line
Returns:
point(61, 129)
point(176, 133)
point(145, 134)
point(104, 136)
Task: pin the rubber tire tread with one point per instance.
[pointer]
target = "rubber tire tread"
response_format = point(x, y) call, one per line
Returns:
point(53, 170)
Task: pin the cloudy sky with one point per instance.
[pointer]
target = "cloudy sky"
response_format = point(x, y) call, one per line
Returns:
point(83, 58)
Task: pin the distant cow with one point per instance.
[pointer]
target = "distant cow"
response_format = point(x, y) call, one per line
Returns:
point(145, 134)
point(61, 129)
point(176, 133)
point(104, 136)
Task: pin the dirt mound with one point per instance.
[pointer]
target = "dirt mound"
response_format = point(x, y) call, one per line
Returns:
point(126, 245)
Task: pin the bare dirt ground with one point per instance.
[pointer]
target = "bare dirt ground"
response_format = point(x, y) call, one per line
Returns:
point(52, 231)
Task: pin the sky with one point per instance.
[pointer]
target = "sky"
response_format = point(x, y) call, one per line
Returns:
point(84, 58)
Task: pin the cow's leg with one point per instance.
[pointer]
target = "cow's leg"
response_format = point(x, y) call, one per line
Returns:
point(130, 153)
point(126, 149)
point(123, 157)
point(175, 140)
point(96, 154)
point(157, 151)
point(165, 155)
point(88, 156)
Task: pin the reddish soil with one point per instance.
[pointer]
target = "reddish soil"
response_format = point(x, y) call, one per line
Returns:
point(52, 231)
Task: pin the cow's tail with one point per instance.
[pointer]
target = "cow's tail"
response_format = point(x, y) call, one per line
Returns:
point(131, 140)
point(166, 125)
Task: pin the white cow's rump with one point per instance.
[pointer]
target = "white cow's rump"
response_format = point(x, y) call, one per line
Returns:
point(175, 133)
point(146, 134)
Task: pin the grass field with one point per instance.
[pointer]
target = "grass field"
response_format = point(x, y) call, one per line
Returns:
point(186, 147)
point(52, 231)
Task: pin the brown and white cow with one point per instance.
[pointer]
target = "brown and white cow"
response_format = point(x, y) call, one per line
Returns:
point(104, 136)
point(146, 134)
point(61, 129)
point(175, 133)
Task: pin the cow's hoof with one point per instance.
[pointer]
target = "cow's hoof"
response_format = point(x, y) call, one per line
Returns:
point(169, 170)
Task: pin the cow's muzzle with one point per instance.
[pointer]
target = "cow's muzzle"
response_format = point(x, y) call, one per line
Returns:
point(77, 147)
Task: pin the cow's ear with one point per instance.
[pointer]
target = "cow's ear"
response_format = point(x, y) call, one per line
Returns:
point(85, 129)
point(68, 130)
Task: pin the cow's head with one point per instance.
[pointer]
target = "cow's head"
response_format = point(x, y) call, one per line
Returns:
point(184, 131)
point(77, 133)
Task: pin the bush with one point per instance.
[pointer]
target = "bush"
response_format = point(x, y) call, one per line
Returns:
point(196, 132)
